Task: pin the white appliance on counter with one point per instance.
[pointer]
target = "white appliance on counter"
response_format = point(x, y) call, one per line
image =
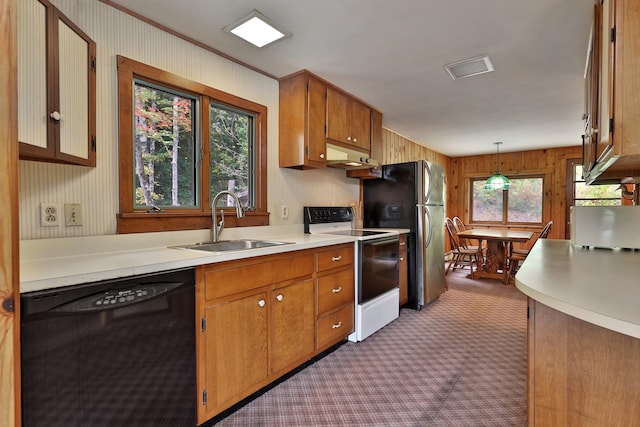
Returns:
point(606, 226)
point(376, 257)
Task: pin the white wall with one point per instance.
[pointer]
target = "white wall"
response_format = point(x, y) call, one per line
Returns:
point(116, 33)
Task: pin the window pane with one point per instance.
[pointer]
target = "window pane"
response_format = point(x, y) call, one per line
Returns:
point(164, 152)
point(583, 191)
point(231, 142)
point(487, 204)
point(525, 200)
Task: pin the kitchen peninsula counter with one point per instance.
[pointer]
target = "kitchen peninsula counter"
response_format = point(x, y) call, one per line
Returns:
point(599, 286)
point(583, 352)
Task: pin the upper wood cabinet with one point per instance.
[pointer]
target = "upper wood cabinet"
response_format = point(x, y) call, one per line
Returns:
point(612, 132)
point(348, 121)
point(314, 112)
point(302, 142)
point(56, 87)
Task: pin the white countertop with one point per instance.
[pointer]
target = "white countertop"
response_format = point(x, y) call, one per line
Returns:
point(52, 263)
point(600, 286)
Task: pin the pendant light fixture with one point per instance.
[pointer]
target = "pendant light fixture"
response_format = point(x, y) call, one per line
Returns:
point(497, 181)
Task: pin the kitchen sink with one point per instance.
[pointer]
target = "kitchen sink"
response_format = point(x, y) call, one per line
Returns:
point(231, 245)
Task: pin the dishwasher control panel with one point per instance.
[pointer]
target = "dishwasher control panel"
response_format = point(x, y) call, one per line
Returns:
point(115, 298)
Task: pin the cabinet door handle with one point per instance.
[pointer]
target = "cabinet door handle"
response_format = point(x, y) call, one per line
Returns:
point(336, 258)
point(402, 243)
point(401, 258)
point(348, 138)
point(336, 325)
point(261, 303)
point(322, 155)
point(337, 290)
point(279, 297)
point(355, 139)
point(56, 116)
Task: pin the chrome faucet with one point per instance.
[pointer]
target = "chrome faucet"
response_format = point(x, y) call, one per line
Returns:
point(216, 229)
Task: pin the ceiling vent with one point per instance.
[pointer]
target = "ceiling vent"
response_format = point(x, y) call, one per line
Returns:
point(469, 67)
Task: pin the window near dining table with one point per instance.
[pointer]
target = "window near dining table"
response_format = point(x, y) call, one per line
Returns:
point(520, 204)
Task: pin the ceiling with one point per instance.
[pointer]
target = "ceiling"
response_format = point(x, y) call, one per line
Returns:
point(391, 54)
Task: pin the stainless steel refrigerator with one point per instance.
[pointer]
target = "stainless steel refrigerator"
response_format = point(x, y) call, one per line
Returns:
point(411, 195)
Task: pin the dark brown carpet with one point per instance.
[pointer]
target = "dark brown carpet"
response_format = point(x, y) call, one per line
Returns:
point(460, 361)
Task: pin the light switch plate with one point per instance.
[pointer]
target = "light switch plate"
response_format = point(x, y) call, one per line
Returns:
point(72, 214)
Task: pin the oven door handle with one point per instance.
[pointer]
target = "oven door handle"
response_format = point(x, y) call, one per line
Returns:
point(382, 241)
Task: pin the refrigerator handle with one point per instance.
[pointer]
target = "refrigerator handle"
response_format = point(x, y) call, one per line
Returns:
point(429, 180)
point(429, 225)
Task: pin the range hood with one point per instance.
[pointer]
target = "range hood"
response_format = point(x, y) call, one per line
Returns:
point(345, 158)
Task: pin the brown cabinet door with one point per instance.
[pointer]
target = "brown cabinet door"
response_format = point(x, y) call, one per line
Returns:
point(236, 355)
point(338, 117)
point(293, 324)
point(315, 138)
point(361, 125)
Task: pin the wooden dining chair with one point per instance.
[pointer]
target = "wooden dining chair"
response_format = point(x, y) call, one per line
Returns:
point(517, 256)
point(460, 254)
point(464, 242)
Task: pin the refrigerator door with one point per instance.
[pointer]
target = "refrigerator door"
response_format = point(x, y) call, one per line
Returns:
point(433, 184)
point(433, 253)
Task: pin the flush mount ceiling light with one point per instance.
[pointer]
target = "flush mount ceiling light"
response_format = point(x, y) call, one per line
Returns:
point(497, 181)
point(257, 29)
point(469, 67)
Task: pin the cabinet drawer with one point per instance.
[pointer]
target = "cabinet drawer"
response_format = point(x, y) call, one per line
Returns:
point(339, 256)
point(223, 281)
point(335, 326)
point(335, 290)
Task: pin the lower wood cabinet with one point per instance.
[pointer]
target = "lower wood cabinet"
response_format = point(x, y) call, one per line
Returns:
point(580, 374)
point(336, 295)
point(259, 318)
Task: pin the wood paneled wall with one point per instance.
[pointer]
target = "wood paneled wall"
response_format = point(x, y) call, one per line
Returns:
point(552, 162)
point(397, 149)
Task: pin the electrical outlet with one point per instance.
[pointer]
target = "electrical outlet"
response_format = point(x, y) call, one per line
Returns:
point(285, 212)
point(49, 214)
point(72, 214)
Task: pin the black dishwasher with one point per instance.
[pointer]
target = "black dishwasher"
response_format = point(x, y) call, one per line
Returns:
point(113, 353)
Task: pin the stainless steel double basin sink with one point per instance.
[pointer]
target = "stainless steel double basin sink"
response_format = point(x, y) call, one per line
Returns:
point(231, 245)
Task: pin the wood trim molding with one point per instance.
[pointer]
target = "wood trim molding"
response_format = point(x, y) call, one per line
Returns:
point(9, 261)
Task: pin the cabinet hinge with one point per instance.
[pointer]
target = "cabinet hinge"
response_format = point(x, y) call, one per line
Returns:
point(611, 121)
point(93, 64)
point(613, 35)
point(204, 397)
point(203, 324)
point(93, 143)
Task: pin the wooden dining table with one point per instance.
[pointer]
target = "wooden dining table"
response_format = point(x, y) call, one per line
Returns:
point(499, 243)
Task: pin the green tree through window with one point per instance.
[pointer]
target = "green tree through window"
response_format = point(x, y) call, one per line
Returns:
point(165, 148)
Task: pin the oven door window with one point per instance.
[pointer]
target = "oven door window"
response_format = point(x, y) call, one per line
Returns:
point(378, 267)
